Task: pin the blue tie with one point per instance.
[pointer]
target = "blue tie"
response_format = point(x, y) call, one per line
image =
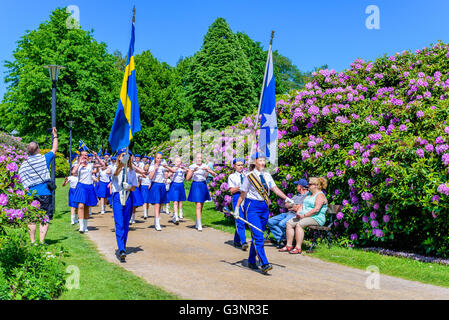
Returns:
point(264, 183)
point(241, 178)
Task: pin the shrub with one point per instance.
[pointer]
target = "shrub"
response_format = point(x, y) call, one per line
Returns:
point(29, 272)
point(12, 141)
point(62, 164)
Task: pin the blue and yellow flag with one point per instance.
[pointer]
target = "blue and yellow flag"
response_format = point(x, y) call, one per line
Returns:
point(127, 118)
point(81, 147)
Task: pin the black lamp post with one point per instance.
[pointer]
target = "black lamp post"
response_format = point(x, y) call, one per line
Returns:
point(70, 123)
point(54, 75)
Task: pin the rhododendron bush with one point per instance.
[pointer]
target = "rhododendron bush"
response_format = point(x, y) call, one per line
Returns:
point(379, 132)
point(17, 208)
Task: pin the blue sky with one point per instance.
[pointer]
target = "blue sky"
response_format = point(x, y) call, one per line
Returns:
point(310, 33)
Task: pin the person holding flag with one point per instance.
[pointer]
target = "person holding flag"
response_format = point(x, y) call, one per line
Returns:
point(126, 124)
point(258, 183)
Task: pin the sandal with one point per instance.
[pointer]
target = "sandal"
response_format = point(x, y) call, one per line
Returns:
point(295, 251)
point(286, 249)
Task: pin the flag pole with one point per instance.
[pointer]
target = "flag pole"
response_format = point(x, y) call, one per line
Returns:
point(127, 148)
point(261, 95)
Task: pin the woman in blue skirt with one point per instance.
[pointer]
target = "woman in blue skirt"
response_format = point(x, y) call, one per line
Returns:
point(199, 192)
point(73, 181)
point(136, 194)
point(103, 191)
point(177, 192)
point(145, 184)
point(85, 193)
point(158, 193)
point(122, 201)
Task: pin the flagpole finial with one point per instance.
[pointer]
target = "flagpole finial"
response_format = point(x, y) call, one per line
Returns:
point(134, 14)
point(272, 36)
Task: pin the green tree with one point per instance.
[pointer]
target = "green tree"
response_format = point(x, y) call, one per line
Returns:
point(88, 88)
point(219, 82)
point(287, 75)
point(162, 102)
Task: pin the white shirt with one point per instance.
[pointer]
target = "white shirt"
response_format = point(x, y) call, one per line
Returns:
point(167, 184)
point(201, 173)
point(159, 175)
point(85, 174)
point(251, 191)
point(234, 179)
point(144, 180)
point(73, 181)
point(179, 176)
point(104, 177)
point(117, 180)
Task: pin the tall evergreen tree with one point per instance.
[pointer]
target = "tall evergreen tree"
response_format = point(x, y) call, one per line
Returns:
point(219, 82)
point(162, 102)
point(88, 88)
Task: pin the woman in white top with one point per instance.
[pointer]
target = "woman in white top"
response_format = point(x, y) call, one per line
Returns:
point(158, 192)
point(199, 192)
point(85, 193)
point(145, 184)
point(102, 190)
point(177, 192)
point(73, 181)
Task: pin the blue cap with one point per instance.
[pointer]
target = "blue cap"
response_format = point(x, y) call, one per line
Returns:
point(124, 151)
point(302, 182)
point(137, 155)
point(144, 157)
point(107, 154)
point(258, 155)
point(114, 158)
point(238, 160)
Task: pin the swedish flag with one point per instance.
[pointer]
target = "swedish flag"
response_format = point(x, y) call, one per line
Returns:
point(127, 118)
point(81, 147)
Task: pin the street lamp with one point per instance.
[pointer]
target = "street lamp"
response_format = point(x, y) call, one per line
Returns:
point(54, 75)
point(70, 123)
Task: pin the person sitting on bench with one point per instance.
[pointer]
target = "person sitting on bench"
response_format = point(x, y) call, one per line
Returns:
point(277, 223)
point(313, 212)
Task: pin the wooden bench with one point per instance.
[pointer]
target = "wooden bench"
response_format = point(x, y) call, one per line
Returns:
point(332, 210)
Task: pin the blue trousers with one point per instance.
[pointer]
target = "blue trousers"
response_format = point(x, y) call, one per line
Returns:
point(239, 235)
point(256, 212)
point(122, 215)
point(277, 225)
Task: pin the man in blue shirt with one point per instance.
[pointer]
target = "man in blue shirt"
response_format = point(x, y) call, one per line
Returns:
point(35, 175)
point(277, 224)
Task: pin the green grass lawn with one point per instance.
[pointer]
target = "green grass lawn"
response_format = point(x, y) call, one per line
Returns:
point(99, 279)
point(409, 269)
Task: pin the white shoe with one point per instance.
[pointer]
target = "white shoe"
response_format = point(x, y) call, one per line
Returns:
point(180, 215)
point(81, 229)
point(102, 212)
point(199, 227)
point(85, 226)
point(157, 224)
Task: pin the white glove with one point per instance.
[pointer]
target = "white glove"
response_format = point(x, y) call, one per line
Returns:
point(289, 200)
point(125, 158)
point(236, 213)
point(127, 186)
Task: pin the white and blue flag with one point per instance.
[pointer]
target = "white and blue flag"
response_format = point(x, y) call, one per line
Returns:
point(268, 125)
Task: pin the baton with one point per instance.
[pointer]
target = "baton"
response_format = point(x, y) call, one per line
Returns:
point(248, 223)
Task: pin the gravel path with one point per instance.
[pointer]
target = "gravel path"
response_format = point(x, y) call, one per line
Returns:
point(204, 265)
